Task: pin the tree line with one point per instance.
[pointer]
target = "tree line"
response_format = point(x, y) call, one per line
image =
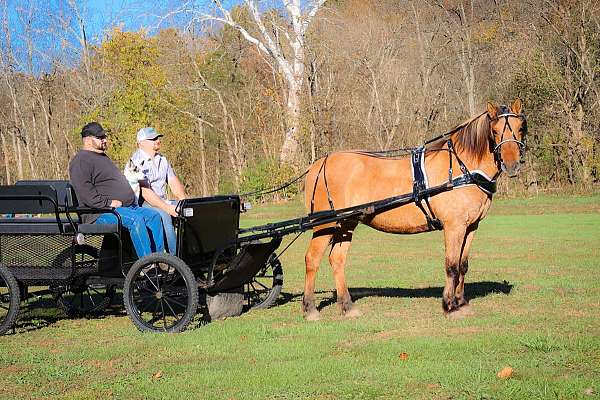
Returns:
point(374, 75)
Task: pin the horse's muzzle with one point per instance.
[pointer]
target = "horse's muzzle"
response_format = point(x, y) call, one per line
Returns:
point(512, 169)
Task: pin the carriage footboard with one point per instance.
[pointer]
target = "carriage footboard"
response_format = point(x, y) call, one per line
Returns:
point(246, 264)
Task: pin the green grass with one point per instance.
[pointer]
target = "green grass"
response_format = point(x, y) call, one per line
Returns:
point(533, 284)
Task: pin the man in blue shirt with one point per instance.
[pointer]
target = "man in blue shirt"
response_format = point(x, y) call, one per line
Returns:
point(158, 174)
point(98, 183)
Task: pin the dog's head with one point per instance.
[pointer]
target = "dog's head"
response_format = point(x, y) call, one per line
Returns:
point(133, 173)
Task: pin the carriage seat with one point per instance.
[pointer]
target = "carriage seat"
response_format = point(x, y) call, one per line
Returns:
point(46, 198)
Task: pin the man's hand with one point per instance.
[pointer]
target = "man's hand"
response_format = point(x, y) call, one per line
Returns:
point(171, 210)
point(116, 203)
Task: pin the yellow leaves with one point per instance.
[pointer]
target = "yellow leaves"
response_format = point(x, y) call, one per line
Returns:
point(403, 356)
point(128, 54)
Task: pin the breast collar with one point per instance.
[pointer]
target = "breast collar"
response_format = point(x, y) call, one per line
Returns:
point(475, 177)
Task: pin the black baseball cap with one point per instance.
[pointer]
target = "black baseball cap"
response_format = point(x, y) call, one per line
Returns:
point(93, 129)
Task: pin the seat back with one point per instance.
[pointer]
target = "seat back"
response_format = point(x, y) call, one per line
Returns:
point(65, 193)
point(28, 199)
point(210, 224)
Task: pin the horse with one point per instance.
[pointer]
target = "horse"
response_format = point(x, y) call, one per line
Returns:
point(489, 143)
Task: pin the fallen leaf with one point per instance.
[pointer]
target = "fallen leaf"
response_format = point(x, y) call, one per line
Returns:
point(157, 375)
point(589, 392)
point(403, 356)
point(505, 373)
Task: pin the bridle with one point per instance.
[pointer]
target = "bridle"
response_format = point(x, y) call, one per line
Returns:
point(496, 151)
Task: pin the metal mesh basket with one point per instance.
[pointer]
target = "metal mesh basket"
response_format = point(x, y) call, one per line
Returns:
point(42, 258)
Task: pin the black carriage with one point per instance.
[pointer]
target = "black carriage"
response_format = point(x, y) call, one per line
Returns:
point(45, 248)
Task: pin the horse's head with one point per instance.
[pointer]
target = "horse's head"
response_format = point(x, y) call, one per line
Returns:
point(508, 131)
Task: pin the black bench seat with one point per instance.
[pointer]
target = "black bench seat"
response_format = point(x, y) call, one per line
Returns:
point(24, 226)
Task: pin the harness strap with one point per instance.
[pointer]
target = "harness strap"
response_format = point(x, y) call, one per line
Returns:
point(420, 187)
point(477, 178)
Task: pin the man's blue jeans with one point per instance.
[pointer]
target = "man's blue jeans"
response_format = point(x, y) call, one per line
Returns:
point(169, 229)
point(138, 221)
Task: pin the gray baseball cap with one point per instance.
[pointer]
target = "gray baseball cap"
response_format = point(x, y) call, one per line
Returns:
point(147, 133)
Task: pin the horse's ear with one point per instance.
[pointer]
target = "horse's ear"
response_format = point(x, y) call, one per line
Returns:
point(492, 110)
point(517, 106)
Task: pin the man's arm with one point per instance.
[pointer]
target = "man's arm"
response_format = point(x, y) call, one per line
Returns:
point(174, 182)
point(155, 201)
point(177, 187)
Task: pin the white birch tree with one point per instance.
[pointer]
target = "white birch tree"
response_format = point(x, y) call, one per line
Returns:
point(273, 41)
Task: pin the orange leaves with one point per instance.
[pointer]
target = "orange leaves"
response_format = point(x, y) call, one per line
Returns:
point(505, 373)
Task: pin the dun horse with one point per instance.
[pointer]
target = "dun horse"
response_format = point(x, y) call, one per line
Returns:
point(484, 146)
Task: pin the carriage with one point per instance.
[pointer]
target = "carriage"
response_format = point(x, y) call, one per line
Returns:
point(216, 257)
point(46, 249)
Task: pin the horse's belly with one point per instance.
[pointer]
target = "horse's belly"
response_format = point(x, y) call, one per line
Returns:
point(405, 219)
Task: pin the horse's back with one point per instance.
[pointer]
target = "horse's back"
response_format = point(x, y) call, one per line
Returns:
point(352, 178)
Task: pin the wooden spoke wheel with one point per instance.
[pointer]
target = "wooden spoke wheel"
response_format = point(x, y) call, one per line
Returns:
point(160, 294)
point(10, 300)
point(264, 288)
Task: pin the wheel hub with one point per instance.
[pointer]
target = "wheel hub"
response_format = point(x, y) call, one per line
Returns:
point(159, 295)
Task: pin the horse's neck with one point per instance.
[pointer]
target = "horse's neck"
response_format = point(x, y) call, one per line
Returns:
point(487, 164)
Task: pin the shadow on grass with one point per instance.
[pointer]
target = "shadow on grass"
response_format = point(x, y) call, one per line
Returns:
point(43, 312)
point(472, 291)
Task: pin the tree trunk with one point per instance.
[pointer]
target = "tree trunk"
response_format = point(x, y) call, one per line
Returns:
point(5, 158)
point(203, 182)
point(289, 149)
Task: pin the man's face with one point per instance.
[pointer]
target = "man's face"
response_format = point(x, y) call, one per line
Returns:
point(151, 144)
point(99, 143)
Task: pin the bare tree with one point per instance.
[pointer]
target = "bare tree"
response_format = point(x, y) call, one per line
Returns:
point(273, 41)
point(459, 29)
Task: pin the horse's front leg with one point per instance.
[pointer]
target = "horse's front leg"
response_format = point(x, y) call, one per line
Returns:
point(454, 239)
point(337, 258)
point(314, 254)
point(463, 267)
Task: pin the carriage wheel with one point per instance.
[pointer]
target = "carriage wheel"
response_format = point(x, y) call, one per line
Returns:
point(78, 298)
point(265, 287)
point(10, 299)
point(160, 294)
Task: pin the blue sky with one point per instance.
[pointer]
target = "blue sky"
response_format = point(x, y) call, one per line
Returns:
point(49, 40)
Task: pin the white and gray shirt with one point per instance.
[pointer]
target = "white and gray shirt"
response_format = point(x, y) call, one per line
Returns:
point(157, 171)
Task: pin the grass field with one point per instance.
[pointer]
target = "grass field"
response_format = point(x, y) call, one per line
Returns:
point(533, 283)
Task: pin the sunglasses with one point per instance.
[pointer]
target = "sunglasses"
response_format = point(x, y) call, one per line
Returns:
point(155, 139)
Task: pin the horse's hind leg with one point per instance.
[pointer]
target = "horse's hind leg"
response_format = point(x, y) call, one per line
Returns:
point(314, 254)
point(337, 259)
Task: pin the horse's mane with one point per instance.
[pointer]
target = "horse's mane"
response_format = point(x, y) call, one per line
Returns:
point(471, 136)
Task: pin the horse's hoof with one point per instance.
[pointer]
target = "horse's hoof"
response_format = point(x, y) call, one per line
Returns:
point(354, 312)
point(460, 313)
point(312, 315)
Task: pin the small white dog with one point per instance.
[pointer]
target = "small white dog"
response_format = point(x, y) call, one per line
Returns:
point(134, 175)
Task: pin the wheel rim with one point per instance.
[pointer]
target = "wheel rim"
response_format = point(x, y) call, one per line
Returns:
point(85, 299)
point(159, 296)
point(4, 299)
point(263, 283)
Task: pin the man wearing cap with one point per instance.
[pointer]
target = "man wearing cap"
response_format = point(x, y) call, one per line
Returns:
point(158, 174)
point(98, 183)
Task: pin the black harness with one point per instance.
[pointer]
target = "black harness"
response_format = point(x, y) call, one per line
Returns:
point(422, 191)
